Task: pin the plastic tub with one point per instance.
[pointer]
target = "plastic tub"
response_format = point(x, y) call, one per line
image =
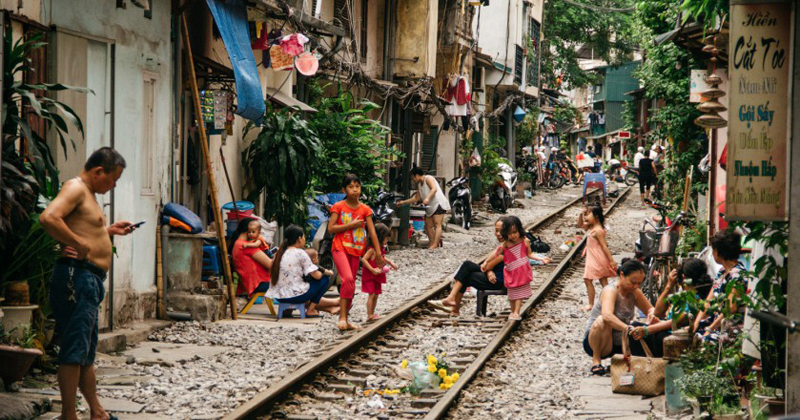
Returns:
point(245, 208)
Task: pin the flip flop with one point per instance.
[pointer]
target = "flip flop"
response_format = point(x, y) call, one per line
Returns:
point(513, 317)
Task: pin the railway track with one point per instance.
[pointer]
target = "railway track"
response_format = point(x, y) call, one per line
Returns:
point(335, 381)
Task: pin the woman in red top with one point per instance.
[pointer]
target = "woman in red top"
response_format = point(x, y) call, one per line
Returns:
point(348, 219)
point(249, 258)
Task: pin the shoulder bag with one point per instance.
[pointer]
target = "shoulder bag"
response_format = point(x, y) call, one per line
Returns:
point(637, 375)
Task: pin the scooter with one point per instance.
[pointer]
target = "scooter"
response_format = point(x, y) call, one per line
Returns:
point(383, 208)
point(323, 241)
point(529, 166)
point(503, 193)
point(460, 198)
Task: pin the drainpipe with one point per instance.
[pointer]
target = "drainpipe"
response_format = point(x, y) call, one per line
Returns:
point(112, 143)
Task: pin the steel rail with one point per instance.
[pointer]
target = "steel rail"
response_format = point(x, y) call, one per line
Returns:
point(264, 401)
point(448, 399)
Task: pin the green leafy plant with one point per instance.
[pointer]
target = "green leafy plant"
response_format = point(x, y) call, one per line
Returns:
point(490, 161)
point(32, 261)
point(28, 167)
point(351, 142)
point(705, 11)
point(704, 383)
point(280, 163)
point(720, 406)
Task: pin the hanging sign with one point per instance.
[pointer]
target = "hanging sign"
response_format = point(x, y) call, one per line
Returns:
point(760, 62)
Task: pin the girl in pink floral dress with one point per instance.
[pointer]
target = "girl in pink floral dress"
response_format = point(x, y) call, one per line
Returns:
point(517, 273)
point(599, 261)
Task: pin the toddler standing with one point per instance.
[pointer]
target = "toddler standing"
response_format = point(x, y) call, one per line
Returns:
point(372, 277)
point(517, 273)
point(599, 261)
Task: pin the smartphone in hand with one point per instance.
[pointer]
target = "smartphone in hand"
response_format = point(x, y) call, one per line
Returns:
point(136, 225)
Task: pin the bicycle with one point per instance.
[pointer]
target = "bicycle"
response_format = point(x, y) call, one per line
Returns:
point(659, 249)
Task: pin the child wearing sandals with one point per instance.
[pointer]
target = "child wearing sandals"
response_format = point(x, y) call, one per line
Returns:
point(372, 277)
point(600, 263)
point(517, 273)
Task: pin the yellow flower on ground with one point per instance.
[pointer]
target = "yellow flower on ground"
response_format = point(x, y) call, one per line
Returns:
point(404, 364)
point(442, 373)
point(443, 355)
point(456, 376)
point(448, 379)
point(442, 386)
point(432, 360)
point(431, 368)
point(367, 392)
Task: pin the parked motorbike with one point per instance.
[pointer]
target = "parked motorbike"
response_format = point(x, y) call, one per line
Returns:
point(460, 198)
point(632, 176)
point(383, 208)
point(504, 190)
point(322, 240)
point(530, 168)
point(558, 176)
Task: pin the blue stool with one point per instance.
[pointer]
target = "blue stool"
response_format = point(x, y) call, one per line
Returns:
point(211, 262)
point(282, 306)
point(596, 181)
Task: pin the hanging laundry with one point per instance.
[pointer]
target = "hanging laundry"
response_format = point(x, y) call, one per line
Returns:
point(293, 44)
point(262, 43)
point(601, 119)
point(458, 94)
point(279, 59)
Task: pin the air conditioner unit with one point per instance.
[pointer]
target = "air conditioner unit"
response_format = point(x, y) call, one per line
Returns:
point(478, 79)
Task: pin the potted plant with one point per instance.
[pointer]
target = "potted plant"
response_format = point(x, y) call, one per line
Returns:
point(759, 409)
point(702, 387)
point(16, 355)
point(723, 410)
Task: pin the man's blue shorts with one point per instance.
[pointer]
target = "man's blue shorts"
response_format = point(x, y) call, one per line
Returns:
point(76, 291)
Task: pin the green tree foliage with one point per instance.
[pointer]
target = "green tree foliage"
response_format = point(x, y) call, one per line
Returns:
point(350, 143)
point(280, 162)
point(568, 26)
point(664, 74)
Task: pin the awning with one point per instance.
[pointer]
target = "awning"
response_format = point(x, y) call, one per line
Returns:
point(287, 101)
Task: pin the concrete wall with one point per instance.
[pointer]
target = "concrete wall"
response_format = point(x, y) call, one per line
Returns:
point(501, 29)
point(416, 28)
point(142, 47)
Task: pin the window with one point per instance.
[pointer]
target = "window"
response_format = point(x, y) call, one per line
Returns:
point(520, 58)
point(533, 53)
point(342, 10)
point(316, 8)
point(148, 131)
point(364, 20)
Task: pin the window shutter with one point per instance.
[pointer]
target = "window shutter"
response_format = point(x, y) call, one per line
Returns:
point(520, 57)
point(341, 13)
point(364, 20)
point(429, 144)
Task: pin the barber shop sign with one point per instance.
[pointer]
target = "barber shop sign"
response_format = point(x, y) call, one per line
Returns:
point(760, 64)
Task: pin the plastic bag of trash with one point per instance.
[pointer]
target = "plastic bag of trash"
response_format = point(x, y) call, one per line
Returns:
point(422, 378)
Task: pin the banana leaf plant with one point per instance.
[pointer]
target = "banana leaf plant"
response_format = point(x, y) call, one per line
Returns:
point(280, 162)
point(28, 167)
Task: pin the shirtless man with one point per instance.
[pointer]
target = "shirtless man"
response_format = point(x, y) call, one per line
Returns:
point(76, 221)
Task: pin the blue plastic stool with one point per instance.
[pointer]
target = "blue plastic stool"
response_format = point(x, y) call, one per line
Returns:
point(597, 181)
point(211, 262)
point(282, 306)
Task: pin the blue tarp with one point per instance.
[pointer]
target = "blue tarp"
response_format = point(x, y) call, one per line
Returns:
point(231, 19)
